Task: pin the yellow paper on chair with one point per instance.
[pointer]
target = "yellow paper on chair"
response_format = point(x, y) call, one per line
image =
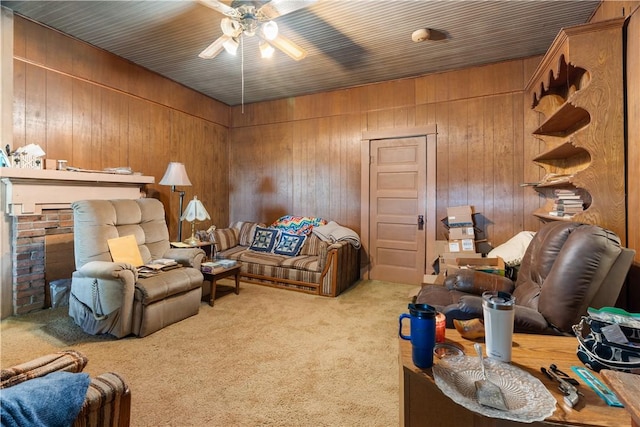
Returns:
point(125, 249)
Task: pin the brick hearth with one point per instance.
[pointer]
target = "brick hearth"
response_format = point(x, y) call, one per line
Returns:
point(28, 242)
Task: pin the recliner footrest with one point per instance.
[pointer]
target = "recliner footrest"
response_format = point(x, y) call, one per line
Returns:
point(166, 284)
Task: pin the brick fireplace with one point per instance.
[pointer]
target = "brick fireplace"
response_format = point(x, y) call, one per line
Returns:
point(37, 204)
point(29, 233)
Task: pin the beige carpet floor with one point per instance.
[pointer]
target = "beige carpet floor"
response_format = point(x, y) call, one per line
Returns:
point(266, 357)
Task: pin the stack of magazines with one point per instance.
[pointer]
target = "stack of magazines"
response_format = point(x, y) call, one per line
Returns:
point(208, 267)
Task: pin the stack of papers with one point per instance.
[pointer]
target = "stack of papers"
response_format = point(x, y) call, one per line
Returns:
point(156, 266)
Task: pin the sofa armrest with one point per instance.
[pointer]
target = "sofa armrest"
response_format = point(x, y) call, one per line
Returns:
point(337, 245)
point(341, 268)
point(67, 360)
point(108, 399)
point(108, 403)
point(189, 257)
point(107, 270)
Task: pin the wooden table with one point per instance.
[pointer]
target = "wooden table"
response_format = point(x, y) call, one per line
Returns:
point(221, 273)
point(206, 246)
point(423, 404)
point(627, 388)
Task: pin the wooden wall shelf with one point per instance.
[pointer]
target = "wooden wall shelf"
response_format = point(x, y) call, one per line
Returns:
point(578, 93)
point(561, 151)
point(565, 120)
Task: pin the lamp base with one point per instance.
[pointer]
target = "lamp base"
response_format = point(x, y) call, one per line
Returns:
point(193, 240)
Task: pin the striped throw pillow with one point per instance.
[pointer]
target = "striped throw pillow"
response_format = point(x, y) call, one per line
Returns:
point(247, 233)
point(225, 238)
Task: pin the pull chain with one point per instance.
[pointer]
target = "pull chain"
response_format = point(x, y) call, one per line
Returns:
point(242, 69)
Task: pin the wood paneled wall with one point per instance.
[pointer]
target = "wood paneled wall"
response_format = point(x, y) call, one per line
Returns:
point(309, 144)
point(617, 9)
point(301, 155)
point(630, 295)
point(97, 110)
point(297, 155)
point(633, 145)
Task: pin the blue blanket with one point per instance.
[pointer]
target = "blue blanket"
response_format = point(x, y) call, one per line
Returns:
point(54, 400)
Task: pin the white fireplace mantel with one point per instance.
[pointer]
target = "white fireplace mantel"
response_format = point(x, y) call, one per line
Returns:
point(29, 191)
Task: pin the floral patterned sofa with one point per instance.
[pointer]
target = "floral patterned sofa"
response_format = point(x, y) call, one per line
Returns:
point(306, 254)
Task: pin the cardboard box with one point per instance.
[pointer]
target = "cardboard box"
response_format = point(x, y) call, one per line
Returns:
point(460, 216)
point(433, 279)
point(488, 265)
point(457, 233)
point(447, 257)
point(441, 247)
point(448, 260)
point(462, 245)
point(451, 257)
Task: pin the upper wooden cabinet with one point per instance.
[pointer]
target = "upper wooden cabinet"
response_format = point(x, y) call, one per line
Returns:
point(578, 93)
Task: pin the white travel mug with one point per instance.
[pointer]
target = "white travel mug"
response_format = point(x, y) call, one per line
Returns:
point(497, 308)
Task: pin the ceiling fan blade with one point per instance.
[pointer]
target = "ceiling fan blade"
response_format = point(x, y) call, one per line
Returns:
point(214, 48)
point(289, 47)
point(221, 7)
point(276, 8)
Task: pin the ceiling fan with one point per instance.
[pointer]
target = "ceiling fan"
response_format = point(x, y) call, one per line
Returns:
point(247, 20)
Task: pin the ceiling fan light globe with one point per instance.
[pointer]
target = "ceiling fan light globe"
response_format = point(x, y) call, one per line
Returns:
point(231, 46)
point(230, 27)
point(266, 50)
point(270, 30)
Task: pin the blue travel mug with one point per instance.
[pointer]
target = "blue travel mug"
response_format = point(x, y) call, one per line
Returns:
point(423, 333)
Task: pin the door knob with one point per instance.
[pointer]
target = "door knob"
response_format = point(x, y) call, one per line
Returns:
point(420, 222)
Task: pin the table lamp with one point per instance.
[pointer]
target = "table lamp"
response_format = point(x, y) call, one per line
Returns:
point(176, 174)
point(195, 212)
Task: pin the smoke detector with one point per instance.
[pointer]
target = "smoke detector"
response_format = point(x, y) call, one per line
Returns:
point(421, 35)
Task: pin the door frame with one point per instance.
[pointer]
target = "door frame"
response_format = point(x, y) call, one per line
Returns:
point(429, 132)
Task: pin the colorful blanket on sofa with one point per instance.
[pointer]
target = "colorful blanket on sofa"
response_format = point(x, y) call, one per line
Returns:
point(297, 224)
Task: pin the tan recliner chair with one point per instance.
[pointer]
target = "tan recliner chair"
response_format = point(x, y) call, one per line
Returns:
point(108, 297)
point(567, 268)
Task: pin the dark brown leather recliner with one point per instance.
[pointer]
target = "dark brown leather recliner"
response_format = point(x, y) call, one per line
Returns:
point(567, 268)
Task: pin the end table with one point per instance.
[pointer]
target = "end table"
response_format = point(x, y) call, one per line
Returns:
point(220, 273)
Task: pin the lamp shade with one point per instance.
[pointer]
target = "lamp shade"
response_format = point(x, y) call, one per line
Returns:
point(195, 211)
point(175, 174)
